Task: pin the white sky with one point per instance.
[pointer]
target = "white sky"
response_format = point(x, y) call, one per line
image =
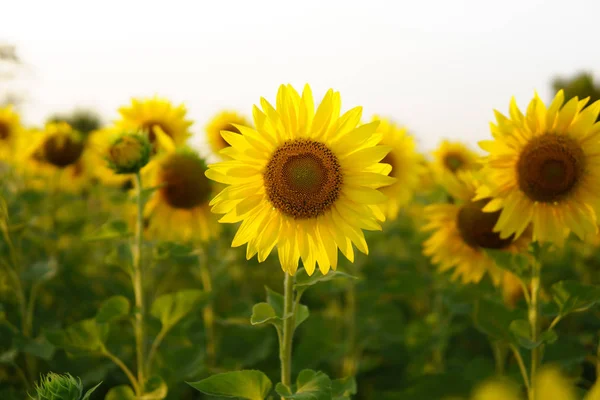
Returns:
point(439, 67)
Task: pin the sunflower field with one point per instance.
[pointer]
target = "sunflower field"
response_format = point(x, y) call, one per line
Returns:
point(318, 255)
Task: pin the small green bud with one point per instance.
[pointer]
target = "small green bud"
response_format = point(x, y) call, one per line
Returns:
point(129, 153)
point(60, 387)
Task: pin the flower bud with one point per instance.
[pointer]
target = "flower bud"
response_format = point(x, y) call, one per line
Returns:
point(129, 153)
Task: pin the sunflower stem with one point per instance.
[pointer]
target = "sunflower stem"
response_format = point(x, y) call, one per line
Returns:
point(138, 287)
point(350, 361)
point(534, 323)
point(289, 325)
point(208, 314)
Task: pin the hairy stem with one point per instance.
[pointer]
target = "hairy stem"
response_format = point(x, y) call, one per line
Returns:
point(289, 325)
point(138, 287)
point(534, 323)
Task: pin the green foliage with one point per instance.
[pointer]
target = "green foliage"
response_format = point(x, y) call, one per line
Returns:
point(250, 385)
point(580, 85)
point(84, 336)
point(113, 309)
point(310, 385)
point(171, 308)
point(573, 296)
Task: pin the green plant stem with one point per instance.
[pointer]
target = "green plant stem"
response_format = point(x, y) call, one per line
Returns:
point(521, 364)
point(350, 361)
point(289, 325)
point(154, 348)
point(534, 323)
point(208, 313)
point(138, 288)
point(499, 349)
point(127, 371)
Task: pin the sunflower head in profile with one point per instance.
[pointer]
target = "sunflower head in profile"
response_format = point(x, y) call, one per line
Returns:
point(404, 165)
point(542, 169)
point(60, 153)
point(223, 121)
point(178, 209)
point(305, 181)
point(157, 117)
point(461, 232)
point(10, 129)
point(100, 142)
point(451, 157)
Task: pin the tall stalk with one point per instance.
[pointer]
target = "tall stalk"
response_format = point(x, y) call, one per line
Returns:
point(289, 325)
point(534, 323)
point(138, 287)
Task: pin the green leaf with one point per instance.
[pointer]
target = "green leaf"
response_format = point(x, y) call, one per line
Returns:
point(84, 336)
point(304, 281)
point(122, 392)
point(113, 309)
point(115, 229)
point(310, 385)
point(263, 313)
point(276, 301)
point(155, 389)
point(572, 296)
point(494, 319)
point(40, 271)
point(171, 308)
point(9, 356)
point(342, 389)
point(89, 392)
point(248, 384)
point(521, 331)
point(39, 347)
point(517, 263)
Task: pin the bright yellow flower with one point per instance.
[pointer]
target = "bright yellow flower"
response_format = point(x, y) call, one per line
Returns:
point(57, 157)
point(223, 121)
point(10, 131)
point(543, 169)
point(156, 116)
point(461, 232)
point(451, 157)
point(405, 166)
point(178, 210)
point(303, 181)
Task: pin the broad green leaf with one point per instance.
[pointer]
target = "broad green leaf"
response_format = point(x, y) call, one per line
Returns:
point(39, 347)
point(303, 280)
point(276, 301)
point(84, 336)
point(122, 392)
point(171, 308)
point(310, 385)
point(516, 263)
point(521, 331)
point(40, 271)
point(112, 309)
point(342, 389)
point(116, 229)
point(263, 313)
point(572, 296)
point(248, 384)
point(87, 394)
point(494, 319)
point(9, 356)
point(155, 389)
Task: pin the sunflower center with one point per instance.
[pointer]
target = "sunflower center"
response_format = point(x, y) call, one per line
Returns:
point(62, 151)
point(454, 162)
point(303, 178)
point(477, 227)
point(4, 131)
point(550, 167)
point(389, 159)
point(185, 185)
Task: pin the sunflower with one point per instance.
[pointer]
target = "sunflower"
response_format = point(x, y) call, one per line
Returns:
point(10, 128)
point(405, 166)
point(303, 181)
point(462, 232)
point(156, 116)
point(178, 209)
point(223, 121)
point(57, 155)
point(543, 169)
point(451, 157)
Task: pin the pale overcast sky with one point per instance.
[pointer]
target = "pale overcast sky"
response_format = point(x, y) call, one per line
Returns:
point(439, 67)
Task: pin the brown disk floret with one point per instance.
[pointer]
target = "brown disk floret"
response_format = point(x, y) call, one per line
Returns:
point(185, 185)
point(476, 227)
point(454, 161)
point(391, 160)
point(4, 131)
point(62, 151)
point(550, 167)
point(303, 178)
